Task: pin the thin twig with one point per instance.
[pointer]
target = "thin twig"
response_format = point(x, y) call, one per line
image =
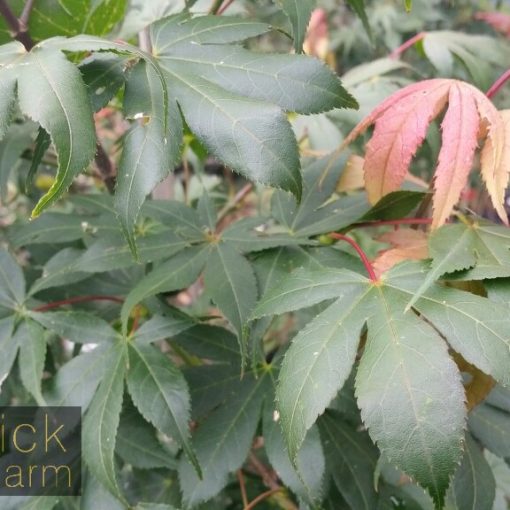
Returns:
point(77, 299)
point(359, 251)
point(238, 198)
point(18, 31)
point(215, 7)
point(264, 472)
point(224, 7)
point(262, 497)
point(496, 86)
point(403, 221)
point(25, 15)
point(395, 54)
point(242, 486)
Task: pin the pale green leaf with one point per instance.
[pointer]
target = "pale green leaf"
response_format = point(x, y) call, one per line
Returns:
point(78, 327)
point(76, 381)
point(319, 361)
point(32, 355)
point(9, 344)
point(12, 281)
point(351, 458)
point(177, 273)
point(223, 441)
point(8, 52)
point(62, 269)
point(112, 252)
point(410, 394)
point(298, 12)
point(160, 393)
point(63, 109)
point(102, 419)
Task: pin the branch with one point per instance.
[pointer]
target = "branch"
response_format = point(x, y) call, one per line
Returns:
point(77, 299)
point(262, 497)
point(224, 7)
point(496, 86)
point(215, 7)
point(360, 252)
point(18, 28)
point(25, 15)
point(395, 54)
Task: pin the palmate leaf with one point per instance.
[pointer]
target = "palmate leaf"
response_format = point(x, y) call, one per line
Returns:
point(232, 98)
point(407, 386)
point(480, 250)
point(397, 136)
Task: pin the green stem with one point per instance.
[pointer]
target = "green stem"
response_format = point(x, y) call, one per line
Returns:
point(215, 7)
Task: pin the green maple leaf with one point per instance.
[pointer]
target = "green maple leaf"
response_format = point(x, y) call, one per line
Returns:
point(408, 388)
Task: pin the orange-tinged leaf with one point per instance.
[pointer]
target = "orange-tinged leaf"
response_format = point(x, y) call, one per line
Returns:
point(401, 123)
point(407, 244)
point(460, 133)
point(352, 176)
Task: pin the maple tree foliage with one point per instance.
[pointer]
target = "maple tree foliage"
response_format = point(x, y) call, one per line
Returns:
point(401, 124)
point(277, 325)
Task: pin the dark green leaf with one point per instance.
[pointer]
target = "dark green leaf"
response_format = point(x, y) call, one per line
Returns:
point(16, 140)
point(160, 327)
point(65, 114)
point(9, 344)
point(207, 212)
point(250, 136)
point(483, 250)
point(62, 269)
point(71, 17)
point(305, 480)
point(394, 206)
point(160, 393)
point(42, 144)
point(144, 454)
point(473, 486)
point(491, 426)
point(410, 394)
point(150, 148)
point(102, 419)
point(223, 441)
point(351, 458)
point(78, 327)
point(319, 361)
point(177, 273)
point(298, 12)
point(230, 281)
point(76, 381)
point(103, 76)
point(358, 6)
point(12, 281)
point(32, 354)
point(112, 252)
